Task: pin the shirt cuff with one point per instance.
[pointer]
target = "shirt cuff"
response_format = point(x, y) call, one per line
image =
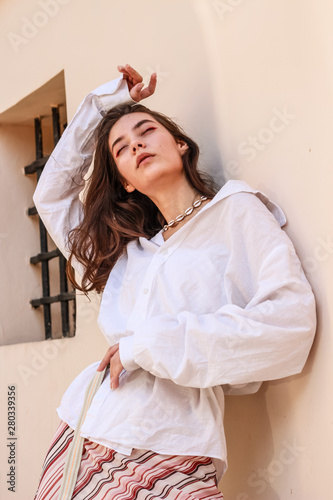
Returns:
point(126, 353)
point(112, 93)
point(241, 389)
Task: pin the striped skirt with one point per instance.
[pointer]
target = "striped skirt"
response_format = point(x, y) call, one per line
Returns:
point(145, 475)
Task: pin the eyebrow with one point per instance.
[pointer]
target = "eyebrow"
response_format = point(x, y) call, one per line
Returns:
point(137, 125)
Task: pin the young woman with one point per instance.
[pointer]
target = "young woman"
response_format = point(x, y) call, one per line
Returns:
point(203, 295)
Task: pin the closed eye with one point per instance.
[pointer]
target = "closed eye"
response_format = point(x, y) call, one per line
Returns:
point(148, 129)
point(119, 151)
point(143, 133)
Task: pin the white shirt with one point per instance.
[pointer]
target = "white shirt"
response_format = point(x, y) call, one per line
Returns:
point(219, 307)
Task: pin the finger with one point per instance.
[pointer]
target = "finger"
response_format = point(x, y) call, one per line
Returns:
point(115, 370)
point(109, 353)
point(130, 75)
point(135, 92)
point(133, 73)
point(127, 77)
point(150, 89)
point(114, 381)
point(122, 70)
point(104, 363)
point(152, 83)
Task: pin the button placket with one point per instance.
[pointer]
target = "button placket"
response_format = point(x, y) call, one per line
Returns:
point(140, 308)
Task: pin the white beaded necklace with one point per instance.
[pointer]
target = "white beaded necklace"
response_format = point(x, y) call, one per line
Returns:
point(187, 212)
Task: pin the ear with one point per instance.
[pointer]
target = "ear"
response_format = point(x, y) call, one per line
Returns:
point(182, 146)
point(129, 188)
point(126, 185)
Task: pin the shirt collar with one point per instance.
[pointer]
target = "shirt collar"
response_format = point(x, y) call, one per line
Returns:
point(228, 189)
point(237, 186)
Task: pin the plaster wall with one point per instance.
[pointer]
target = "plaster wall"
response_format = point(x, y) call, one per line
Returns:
point(251, 82)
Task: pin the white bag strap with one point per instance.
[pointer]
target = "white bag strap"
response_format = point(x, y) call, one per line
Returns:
point(74, 454)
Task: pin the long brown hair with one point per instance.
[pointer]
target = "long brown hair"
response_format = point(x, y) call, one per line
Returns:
point(112, 217)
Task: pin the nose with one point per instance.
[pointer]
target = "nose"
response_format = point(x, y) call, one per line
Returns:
point(137, 144)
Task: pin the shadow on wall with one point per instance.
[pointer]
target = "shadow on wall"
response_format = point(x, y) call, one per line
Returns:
point(250, 442)
point(265, 449)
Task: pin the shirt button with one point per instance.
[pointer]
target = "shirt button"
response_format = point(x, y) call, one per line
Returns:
point(165, 252)
point(145, 291)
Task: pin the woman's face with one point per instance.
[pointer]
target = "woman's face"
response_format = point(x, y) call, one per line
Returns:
point(146, 154)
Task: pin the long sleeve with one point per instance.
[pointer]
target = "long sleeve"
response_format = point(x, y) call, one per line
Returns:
point(57, 194)
point(263, 332)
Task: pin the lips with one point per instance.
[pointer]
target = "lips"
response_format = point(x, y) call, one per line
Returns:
point(142, 157)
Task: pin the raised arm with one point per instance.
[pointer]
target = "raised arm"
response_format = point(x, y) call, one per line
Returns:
point(57, 194)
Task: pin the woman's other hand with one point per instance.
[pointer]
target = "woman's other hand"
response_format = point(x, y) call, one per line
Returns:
point(135, 83)
point(112, 357)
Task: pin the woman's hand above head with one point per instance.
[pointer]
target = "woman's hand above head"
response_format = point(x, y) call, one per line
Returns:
point(112, 357)
point(135, 83)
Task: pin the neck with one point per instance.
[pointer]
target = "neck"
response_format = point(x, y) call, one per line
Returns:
point(174, 200)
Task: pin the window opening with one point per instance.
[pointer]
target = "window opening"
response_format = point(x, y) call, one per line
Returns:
point(65, 296)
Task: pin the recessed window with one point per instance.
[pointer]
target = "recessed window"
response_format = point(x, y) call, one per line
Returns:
point(39, 301)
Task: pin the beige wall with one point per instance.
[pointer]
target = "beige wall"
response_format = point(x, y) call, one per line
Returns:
point(19, 236)
point(20, 240)
point(228, 70)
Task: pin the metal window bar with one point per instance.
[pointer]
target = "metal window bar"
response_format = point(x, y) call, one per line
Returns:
point(44, 256)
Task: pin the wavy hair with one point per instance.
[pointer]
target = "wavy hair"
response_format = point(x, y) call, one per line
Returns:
point(112, 217)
